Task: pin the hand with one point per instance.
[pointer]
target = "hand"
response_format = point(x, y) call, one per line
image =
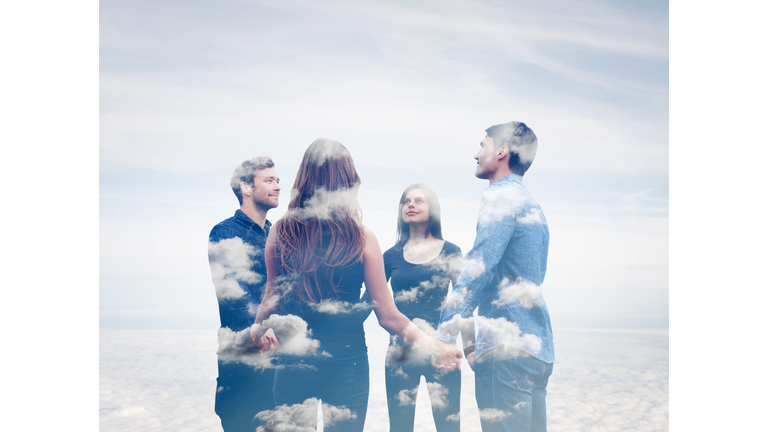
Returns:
point(268, 342)
point(471, 360)
point(446, 356)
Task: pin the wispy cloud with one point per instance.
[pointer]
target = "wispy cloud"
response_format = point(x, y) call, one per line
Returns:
point(493, 414)
point(413, 294)
point(336, 307)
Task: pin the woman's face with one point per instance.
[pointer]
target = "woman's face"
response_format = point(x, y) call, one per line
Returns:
point(415, 207)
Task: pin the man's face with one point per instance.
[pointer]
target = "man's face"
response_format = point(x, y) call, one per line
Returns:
point(487, 160)
point(266, 188)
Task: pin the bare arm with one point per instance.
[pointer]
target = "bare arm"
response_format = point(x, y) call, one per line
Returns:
point(389, 317)
point(264, 338)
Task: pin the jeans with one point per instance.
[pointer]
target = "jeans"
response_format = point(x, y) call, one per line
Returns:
point(241, 392)
point(401, 415)
point(340, 384)
point(511, 391)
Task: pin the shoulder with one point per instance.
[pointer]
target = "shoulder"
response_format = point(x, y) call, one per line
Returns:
point(392, 253)
point(223, 230)
point(451, 249)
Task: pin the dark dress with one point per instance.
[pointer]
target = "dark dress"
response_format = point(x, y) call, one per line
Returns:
point(338, 373)
point(419, 291)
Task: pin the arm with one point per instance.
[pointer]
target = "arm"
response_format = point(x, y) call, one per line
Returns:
point(496, 224)
point(389, 317)
point(263, 338)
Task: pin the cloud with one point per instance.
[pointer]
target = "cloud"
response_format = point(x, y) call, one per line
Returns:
point(455, 297)
point(454, 417)
point(302, 417)
point(438, 395)
point(238, 347)
point(231, 262)
point(534, 215)
point(293, 335)
point(523, 292)
point(493, 414)
point(323, 204)
point(508, 333)
point(336, 307)
point(413, 294)
point(450, 265)
point(405, 353)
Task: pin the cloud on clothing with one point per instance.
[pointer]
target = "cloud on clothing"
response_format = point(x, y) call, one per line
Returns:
point(238, 347)
point(493, 415)
point(302, 417)
point(523, 292)
point(323, 204)
point(410, 353)
point(413, 294)
point(438, 395)
point(336, 307)
point(231, 261)
point(508, 333)
point(293, 335)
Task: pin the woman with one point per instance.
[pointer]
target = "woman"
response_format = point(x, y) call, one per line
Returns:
point(420, 268)
point(318, 256)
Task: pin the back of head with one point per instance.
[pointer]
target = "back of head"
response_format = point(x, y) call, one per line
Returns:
point(521, 142)
point(322, 231)
point(245, 172)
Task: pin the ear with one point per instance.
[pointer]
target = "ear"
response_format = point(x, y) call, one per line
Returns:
point(502, 152)
point(246, 189)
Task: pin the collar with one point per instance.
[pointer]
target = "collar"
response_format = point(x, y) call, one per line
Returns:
point(240, 215)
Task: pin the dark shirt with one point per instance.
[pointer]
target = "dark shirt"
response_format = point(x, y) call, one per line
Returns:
point(421, 289)
point(236, 255)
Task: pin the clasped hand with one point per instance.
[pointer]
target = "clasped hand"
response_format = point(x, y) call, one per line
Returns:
point(266, 343)
point(446, 357)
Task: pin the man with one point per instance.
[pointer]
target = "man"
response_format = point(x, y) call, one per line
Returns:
point(501, 276)
point(236, 256)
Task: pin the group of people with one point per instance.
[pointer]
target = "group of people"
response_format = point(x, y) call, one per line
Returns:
point(292, 303)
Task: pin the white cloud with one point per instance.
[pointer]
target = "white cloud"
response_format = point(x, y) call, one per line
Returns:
point(293, 335)
point(454, 417)
point(418, 291)
point(324, 203)
point(523, 292)
point(437, 395)
point(534, 215)
point(493, 414)
point(336, 307)
point(231, 261)
point(165, 381)
point(238, 346)
point(302, 417)
point(508, 333)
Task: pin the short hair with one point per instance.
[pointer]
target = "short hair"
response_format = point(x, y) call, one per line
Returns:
point(245, 172)
point(521, 142)
point(433, 224)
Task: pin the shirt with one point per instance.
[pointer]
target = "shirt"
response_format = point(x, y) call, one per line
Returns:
point(239, 273)
point(502, 275)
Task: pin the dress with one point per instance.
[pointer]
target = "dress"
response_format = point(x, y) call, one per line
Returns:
point(236, 257)
point(419, 291)
point(502, 277)
point(337, 373)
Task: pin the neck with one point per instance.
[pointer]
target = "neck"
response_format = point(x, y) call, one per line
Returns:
point(254, 212)
point(500, 174)
point(418, 233)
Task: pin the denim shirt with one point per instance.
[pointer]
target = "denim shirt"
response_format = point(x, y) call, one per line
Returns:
point(239, 274)
point(502, 275)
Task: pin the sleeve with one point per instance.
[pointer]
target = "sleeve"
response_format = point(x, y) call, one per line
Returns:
point(495, 226)
point(230, 273)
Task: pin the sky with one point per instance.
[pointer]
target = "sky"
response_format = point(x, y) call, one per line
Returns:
point(585, 76)
point(188, 90)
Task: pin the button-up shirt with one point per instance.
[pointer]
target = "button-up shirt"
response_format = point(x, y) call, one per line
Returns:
point(502, 275)
point(236, 256)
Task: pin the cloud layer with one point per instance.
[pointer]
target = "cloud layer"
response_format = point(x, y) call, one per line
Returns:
point(302, 417)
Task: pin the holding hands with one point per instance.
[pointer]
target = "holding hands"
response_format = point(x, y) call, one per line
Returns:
point(266, 342)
